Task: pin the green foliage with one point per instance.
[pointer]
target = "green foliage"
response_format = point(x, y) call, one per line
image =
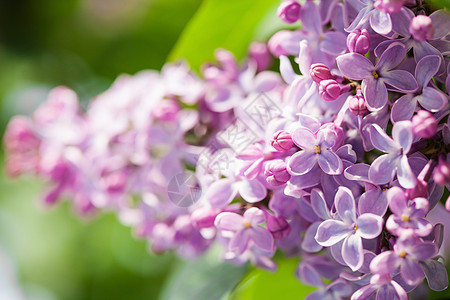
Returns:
point(261, 285)
point(228, 24)
point(436, 4)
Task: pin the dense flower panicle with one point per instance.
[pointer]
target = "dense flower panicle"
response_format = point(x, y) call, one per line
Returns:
point(343, 165)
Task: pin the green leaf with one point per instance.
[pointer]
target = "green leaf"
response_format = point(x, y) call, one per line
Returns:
point(260, 284)
point(229, 24)
point(437, 4)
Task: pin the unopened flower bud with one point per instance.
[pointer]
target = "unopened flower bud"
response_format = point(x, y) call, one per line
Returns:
point(204, 217)
point(259, 53)
point(389, 6)
point(420, 190)
point(421, 28)
point(329, 89)
point(276, 172)
point(357, 104)
point(289, 11)
point(166, 111)
point(441, 174)
point(282, 140)
point(358, 41)
point(278, 226)
point(319, 72)
point(424, 124)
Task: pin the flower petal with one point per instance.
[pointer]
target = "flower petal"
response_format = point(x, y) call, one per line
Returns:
point(436, 274)
point(411, 272)
point(319, 204)
point(239, 242)
point(229, 221)
point(331, 232)
point(301, 162)
point(262, 238)
point(426, 68)
point(405, 175)
point(333, 43)
point(385, 263)
point(355, 66)
point(345, 205)
point(357, 172)
point(397, 200)
point(432, 99)
point(369, 226)
point(423, 251)
point(221, 192)
point(380, 22)
point(401, 80)
point(381, 140)
point(403, 108)
point(391, 57)
point(402, 135)
point(330, 162)
point(352, 252)
point(375, 93)
point(309, 244)
point(310, 17)
point(373, 201)
point(383, 169)
point(304, 138)
point(252, 190)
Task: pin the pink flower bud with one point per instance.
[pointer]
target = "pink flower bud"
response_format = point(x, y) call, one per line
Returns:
point(389, 6)
point(204, 217)
point(278, 226)
point(276, 172)
point(357, 104)
point(424, 124)
point(259, 53)
point(441, 174)
point(319, 72)
point(421, 28)
point(329, 89)
point(166, 111)
point(358, 41)
point(289, 11)
point(282, 140)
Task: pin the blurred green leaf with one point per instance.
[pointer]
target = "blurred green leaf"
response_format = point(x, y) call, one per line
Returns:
point(260, 284)
point(436, 4)
point(229, 24)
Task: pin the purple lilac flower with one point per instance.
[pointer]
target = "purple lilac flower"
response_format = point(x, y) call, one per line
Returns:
point(385, 166)
point(384, 286)
point(351, 229)
point(407, 216)
point(374, 78)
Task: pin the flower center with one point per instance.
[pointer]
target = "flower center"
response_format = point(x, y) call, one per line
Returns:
point(317, 149)
point(355, 227)
point(375, 74)
point(402, 254)
point(405, 218)
point(247, 224)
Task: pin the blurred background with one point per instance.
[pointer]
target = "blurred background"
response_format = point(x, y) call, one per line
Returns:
point(84, 44)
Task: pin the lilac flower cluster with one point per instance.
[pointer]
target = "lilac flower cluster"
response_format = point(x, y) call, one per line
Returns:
point(340, 164)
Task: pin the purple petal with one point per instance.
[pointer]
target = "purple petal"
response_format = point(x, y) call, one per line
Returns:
point(286, 70)
point(411, 272)
point(423, 49)
point(330, 162)
point(352, 252)
point(309, 244)
point(331, 232)
point(239, 242)
point(426, 68)
point(385, 263)
point(310, 17)
point(375, 93)
point(385, 292)
point(436, 274)
point(229, 221)
point(432, 99)
point(357, 172)
point(355, 66)
point(423, 251)
point(402, 135)
point(262, 238)
point(373, 201)
point(255, 216)
point(401, 294)
point(403, 108)
point(401, 80)
point(301, 162)
point(381, 140)
point(252, 190)
point(334, 43)
point(391, 57)
point(380, 22)
point(361, 18)
point(365, 292)
point(221, 192)
point(309, 275)
point(345, 205)
point(397, 200)
point(421, 227)
point(369, 226)
point(405, 175)
point(383, 168)
point(319, 205)
point(401, 21)
point(304, 138)
point(441, 23)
